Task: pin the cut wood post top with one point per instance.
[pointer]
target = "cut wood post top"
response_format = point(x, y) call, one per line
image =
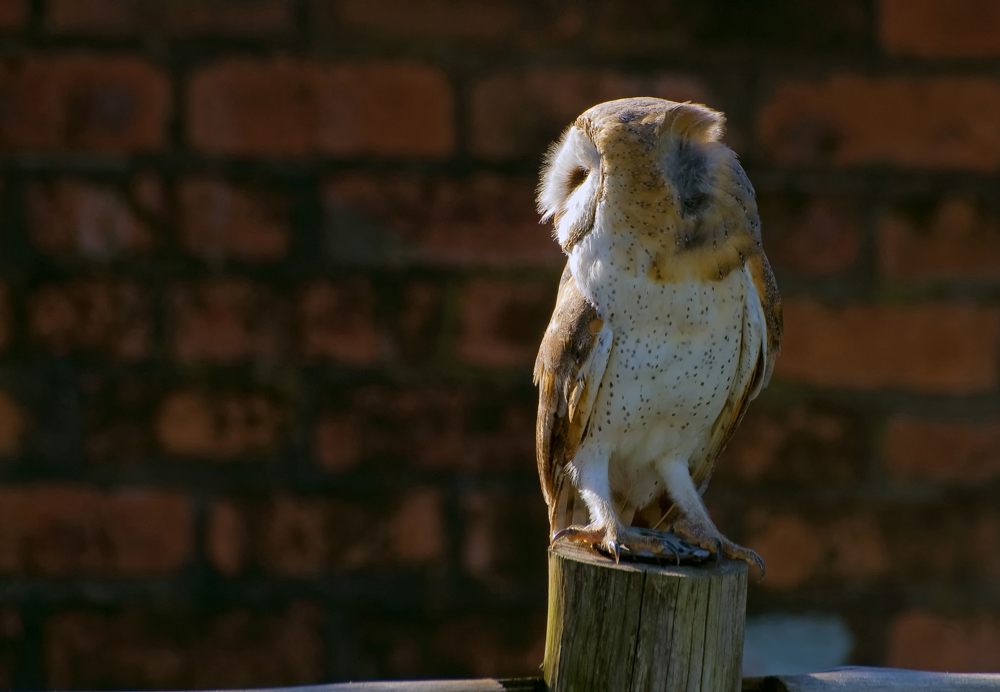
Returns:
point(641, 626)
point(710, 569)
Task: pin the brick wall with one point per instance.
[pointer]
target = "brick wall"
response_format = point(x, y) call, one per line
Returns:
point(271, 283)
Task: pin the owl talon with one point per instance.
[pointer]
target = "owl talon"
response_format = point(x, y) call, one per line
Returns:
point(581, 534)
point(709, 538)
point(615, 550)
point(673, 552)
point(649, 544)
point(630, 543)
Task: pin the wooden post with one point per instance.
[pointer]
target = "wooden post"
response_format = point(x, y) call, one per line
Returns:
point(635, 626)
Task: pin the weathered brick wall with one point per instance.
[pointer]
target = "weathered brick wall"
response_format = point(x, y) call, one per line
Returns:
point(271, 283)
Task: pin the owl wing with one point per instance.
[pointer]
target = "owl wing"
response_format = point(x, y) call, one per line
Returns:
point(568, 372)
point(761, 341)
point(736, 204)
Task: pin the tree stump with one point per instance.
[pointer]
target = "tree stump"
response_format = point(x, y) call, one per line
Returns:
point(637, 626)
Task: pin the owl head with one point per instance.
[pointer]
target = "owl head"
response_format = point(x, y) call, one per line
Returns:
point(643, 152)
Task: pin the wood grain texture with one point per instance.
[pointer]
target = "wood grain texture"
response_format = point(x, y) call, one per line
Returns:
point(875, 680)
point(633, 627)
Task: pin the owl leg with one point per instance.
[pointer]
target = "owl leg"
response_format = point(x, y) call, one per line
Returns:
point(590, 475)
point(607, 533)
point(694, 524)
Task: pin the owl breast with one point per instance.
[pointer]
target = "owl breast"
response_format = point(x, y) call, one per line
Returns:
point(678, 348)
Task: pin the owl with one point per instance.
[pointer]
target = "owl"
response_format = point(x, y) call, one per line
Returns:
point(666, 325)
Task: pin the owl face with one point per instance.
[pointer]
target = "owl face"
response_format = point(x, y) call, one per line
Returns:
point(638, 156)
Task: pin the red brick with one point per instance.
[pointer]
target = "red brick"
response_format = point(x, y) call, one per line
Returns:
point(122, 442)
point(14, 424)
point(416, 529)
point(293, 538)
point(220, 221)
point(890, 544)
point(6, 317)
point(172, 648)
point(394, 648)
point(11, 645)
point(107, 315)
point(71, 218)
point(794, 27)
point(664, 27)
point(504, 537)
point(287, 107)
point(183, 18)
point(804, 444)
point(116, 411)
point(796, 551)
point(419, 321)
point(957, 531)
point(473, 643)
point(13, 14)
point(309, 537)
point(68, 531)
point(432, 429)
point(941, 451)
point(518, 114)
point(920, 122)
point(149, 195)
point(226, 540)
point(83, 102)
point(484, 219)
point(927, 641)
point(220, 425)
point(504, 646)
point(857, 547)
point(503, 322)
point(226, 320)
point(940, 28)
point(957, 239)
point(337, 321)
point(491, 22)
point(337, 443)
point(906, 348)
point(815, 237)
point(791, 549)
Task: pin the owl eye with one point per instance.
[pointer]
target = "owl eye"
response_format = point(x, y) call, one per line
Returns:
point(576, 177)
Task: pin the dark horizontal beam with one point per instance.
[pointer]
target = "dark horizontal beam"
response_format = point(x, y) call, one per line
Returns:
point(875, 680)
point(485, 685)
point(838, 680)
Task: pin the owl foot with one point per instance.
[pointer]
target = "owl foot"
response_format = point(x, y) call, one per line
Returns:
point(602, 537)
point(634, 543)
point(708, 537)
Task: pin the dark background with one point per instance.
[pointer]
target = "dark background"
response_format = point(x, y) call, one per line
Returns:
point(271, 285)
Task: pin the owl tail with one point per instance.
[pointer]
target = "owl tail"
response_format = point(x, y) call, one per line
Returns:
point(567, 510)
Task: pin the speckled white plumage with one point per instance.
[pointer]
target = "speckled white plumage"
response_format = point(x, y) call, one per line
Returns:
point(679, 350)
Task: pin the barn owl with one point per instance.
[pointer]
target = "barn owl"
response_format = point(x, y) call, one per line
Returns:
point(666, 325)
